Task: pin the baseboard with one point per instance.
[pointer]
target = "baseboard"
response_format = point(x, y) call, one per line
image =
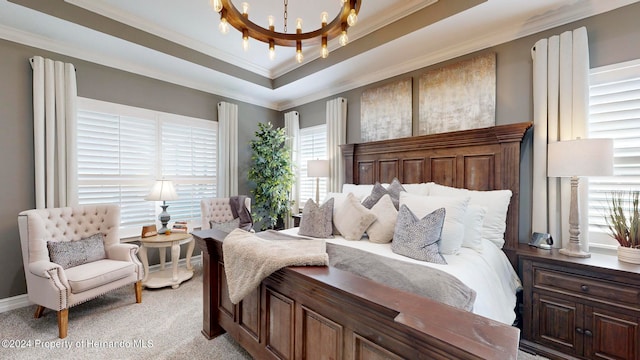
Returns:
point(19, 301)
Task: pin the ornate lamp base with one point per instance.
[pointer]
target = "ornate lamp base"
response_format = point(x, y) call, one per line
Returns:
point(164, 218)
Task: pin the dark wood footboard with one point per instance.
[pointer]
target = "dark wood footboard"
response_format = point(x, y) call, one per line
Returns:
point(323, 312)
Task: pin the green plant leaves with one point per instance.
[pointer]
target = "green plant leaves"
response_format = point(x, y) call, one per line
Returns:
point(271, 175)
point(623, 218)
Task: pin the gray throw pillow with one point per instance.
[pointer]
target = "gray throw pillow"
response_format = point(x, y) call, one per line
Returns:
point(418, 238)
point(394, 189)
point(228, 226)
point(73, 253)
point(316, 220)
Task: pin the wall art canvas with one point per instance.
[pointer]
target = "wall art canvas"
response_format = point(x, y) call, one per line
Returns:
point(460, 96)
point(386, 111)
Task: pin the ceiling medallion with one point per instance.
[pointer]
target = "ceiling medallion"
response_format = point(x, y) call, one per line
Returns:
point(229, 15)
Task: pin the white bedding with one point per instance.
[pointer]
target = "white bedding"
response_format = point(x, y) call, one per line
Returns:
point(488, 272)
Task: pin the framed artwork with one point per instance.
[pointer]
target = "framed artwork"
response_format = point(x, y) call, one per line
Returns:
point(386, 111)
point(460, 96)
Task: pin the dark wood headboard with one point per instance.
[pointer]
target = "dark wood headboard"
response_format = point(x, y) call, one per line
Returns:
point(478, 159)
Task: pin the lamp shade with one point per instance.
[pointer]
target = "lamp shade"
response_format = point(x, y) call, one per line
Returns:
point(162, 190)
point(318, 168)
point(581, 157)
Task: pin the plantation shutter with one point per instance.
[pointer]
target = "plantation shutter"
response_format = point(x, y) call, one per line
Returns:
point(313, 146)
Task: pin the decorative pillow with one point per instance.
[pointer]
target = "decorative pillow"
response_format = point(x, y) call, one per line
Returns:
point(316, 220)
point(456, 208)
point(381, 231)
point(73, 253)
point(496, 202)
point(360, 191)
point(338, 199)
point(419, 238)
point(228, 226)
point(473, 220)
point(394, 189)
point(352, 219)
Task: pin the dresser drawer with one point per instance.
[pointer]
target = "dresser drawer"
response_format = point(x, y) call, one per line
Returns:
point(583, 286)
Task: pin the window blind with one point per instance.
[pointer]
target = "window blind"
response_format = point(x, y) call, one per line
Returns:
point(313, 145)
point(122, 150)
point(614, 112)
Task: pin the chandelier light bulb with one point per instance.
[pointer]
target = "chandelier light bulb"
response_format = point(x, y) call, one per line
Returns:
point(299, 24)
point(324, 18)
point(324, 52)
point(216, 5)
point(352, 19)
point(223, 26)
point(245, 39)
point(299, 56)
point(272, 50)
point(245, 8)
point(344, 39)
point(271, 23)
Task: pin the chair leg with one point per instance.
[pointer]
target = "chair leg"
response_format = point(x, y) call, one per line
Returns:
point(63, 323)
point(39, 311)
point(138, 288)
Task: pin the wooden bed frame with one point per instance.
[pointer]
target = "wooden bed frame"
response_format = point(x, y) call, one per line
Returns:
point(323, 312)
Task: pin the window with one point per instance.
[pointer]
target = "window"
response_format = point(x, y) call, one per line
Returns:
point(614, 113)
point(313, 145)
point(122, 150)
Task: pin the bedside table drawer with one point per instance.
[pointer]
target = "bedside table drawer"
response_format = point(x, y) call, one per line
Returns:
point(584, 286)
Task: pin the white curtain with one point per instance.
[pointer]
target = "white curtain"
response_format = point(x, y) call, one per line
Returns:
point(227, 149)
point(560, 110)
point(292, 130)
point(336, 136)
point(54, 132)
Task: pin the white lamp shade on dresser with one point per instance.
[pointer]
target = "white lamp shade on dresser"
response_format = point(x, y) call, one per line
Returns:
point(581, 157)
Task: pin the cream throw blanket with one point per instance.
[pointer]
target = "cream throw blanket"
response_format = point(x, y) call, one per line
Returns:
point(249, 259)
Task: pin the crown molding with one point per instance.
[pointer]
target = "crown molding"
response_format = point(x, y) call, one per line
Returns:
point(39, 42)
point(152, 28)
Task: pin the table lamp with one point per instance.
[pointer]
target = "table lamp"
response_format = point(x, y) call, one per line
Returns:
point(163, 190)
point(575, 158)
point(318, 169)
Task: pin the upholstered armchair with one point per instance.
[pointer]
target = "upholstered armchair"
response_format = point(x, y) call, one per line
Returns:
point(72, 255)
point(219, 211)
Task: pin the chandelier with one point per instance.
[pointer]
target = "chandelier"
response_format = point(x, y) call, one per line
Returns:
point(230, 15)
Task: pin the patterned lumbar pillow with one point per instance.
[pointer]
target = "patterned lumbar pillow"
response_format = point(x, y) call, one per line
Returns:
point(394, 189)
point(73, 253)
point(418, 238)
point(316, 220)
point(227, 226)
point(352, 219)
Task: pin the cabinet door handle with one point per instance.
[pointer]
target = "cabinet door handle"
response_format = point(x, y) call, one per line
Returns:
point(584, 288)
point(579, 330)
point(588, 333)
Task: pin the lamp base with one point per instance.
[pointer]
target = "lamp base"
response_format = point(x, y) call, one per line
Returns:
point(164, 218)
point(575, 253)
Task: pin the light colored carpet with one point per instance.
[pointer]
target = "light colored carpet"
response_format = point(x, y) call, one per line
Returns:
point(166, 325)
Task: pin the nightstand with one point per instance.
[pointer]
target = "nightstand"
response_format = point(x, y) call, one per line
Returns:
point(586, 308)
point(296, 219)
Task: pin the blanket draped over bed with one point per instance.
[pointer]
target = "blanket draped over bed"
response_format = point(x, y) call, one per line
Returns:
point(420, 280)
point(250, 258)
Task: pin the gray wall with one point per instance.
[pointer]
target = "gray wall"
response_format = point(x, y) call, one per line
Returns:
point(96, 82)
point(613, 38)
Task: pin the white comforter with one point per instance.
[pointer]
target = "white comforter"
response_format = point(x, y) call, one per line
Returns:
point(488, 272)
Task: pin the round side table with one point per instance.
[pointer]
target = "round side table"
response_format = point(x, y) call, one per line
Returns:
point(167, 277)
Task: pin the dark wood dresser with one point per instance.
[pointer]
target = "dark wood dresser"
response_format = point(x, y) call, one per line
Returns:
point(583, 308)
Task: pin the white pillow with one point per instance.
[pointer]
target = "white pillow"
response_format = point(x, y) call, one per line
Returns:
point(360, 191)
point(496, 202)
point(352, 219)
point(381, 231)
point(473, 221)
point(420, 189)
point(455, 208)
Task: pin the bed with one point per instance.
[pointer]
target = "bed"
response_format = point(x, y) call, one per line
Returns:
point(325, 312)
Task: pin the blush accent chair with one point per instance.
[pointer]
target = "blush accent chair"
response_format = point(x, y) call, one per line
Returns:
point(51, 285)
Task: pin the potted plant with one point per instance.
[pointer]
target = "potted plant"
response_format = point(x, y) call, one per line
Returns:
point(271, 175)
point(623, 221)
